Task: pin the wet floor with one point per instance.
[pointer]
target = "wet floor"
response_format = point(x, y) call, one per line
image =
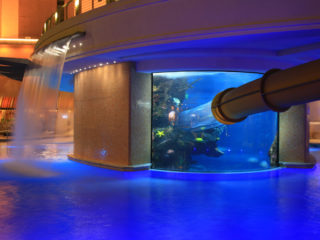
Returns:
point(85, 202)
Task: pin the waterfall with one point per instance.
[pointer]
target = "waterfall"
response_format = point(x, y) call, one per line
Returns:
point(37, 105)
point(37, 101)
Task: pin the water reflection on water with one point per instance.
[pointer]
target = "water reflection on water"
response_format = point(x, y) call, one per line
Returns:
point(39, 156)
point(8, 198)
point(85, 202)
point(45, 150)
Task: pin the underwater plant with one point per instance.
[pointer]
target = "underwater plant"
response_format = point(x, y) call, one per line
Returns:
point(175, 137)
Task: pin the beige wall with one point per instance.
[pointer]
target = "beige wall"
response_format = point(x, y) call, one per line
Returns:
point(16, 50)
point(9, 87)
point(33, 14)
point(9, 18)
point(0, 17)
point(314, 121)
point(24, 18)
point(314, 111)
point(21, 19)
point(104, 105)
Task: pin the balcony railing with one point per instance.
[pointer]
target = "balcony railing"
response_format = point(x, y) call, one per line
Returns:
point(71, 9)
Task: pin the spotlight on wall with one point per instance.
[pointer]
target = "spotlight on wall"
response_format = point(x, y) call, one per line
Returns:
point(56, 16)
point(77, 6)
point(100, 64)
point(114, 61)
point(80, 44)
point(107, 63)
point(104, 152)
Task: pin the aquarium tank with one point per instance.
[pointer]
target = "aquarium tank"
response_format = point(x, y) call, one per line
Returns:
point(186, 137)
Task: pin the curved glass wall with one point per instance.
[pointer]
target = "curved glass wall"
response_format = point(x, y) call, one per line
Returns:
point(186, 137)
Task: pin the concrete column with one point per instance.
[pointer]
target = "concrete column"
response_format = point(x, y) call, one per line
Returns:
point(293, 138)
point(112, 125)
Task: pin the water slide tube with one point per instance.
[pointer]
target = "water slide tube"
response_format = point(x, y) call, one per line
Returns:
point(277, 90)
point(198, 118)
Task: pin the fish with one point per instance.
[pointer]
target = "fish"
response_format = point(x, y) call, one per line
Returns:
point(176, 101)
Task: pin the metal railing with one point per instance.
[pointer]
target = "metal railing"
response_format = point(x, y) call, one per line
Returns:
point(71, 9)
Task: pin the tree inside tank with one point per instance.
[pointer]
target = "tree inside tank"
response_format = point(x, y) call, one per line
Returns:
point(172, 145)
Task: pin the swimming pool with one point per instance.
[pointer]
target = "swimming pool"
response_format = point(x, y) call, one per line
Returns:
point(85, 202)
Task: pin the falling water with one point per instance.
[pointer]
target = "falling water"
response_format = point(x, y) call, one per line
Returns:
point(37, 107)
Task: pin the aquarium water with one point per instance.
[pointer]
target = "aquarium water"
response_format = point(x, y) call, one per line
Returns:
point(186, 136)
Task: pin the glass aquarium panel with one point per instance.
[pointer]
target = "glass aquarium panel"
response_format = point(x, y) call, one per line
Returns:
point(186, 137)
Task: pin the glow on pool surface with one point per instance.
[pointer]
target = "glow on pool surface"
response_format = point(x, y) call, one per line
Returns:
point(84, 202)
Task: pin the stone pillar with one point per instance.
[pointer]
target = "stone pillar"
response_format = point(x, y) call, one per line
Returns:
point(293, 138)
point(140, 118)
point(112, 125)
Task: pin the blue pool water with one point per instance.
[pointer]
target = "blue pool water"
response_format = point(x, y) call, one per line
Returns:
point(85, 202)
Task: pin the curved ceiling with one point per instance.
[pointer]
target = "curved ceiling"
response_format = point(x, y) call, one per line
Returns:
point(170, 35)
